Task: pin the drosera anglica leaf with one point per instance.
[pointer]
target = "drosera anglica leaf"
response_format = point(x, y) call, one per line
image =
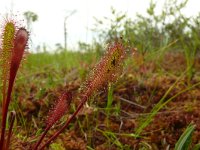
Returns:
point(59, 109)
point(20, 42)
point(61, 106)
point(107, 70)
point(6, 53)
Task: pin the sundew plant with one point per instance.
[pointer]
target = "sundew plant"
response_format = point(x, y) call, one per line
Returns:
point(140, 91)
point(106, 71)
point(14, 42)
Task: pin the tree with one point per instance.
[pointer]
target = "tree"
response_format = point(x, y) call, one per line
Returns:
point(30, 17)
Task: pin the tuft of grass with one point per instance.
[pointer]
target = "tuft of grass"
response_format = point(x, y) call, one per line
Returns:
point(163, 102)
point(186, 138)
point(112, 138)
point(64, 59)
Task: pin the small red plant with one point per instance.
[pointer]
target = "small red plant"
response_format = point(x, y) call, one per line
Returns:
point(107, 70)
point(59, 109)
point(13, 46)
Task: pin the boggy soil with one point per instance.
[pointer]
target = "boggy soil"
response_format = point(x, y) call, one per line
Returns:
point(135, 94)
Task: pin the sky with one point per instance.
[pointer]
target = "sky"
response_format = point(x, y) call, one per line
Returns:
point(49, 28)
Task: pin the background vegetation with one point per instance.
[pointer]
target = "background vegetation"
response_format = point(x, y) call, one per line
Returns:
point(149, 107)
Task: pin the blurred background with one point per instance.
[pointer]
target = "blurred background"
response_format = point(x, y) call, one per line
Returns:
point(74, 24)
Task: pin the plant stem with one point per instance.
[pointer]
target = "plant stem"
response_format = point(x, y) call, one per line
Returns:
point(5, 112)
point(41, 138)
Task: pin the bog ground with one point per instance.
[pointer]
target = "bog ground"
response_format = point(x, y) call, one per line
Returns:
point(101, 125)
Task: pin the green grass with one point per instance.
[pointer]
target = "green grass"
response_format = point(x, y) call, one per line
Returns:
point(49, 70)
point(109, 102)
point(64, 59)
point(186, 138)
point(162, 103)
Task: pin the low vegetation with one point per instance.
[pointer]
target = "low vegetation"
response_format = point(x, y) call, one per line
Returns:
point(143, 93)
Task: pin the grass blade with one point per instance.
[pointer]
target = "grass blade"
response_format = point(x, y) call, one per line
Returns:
point(185, 139)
